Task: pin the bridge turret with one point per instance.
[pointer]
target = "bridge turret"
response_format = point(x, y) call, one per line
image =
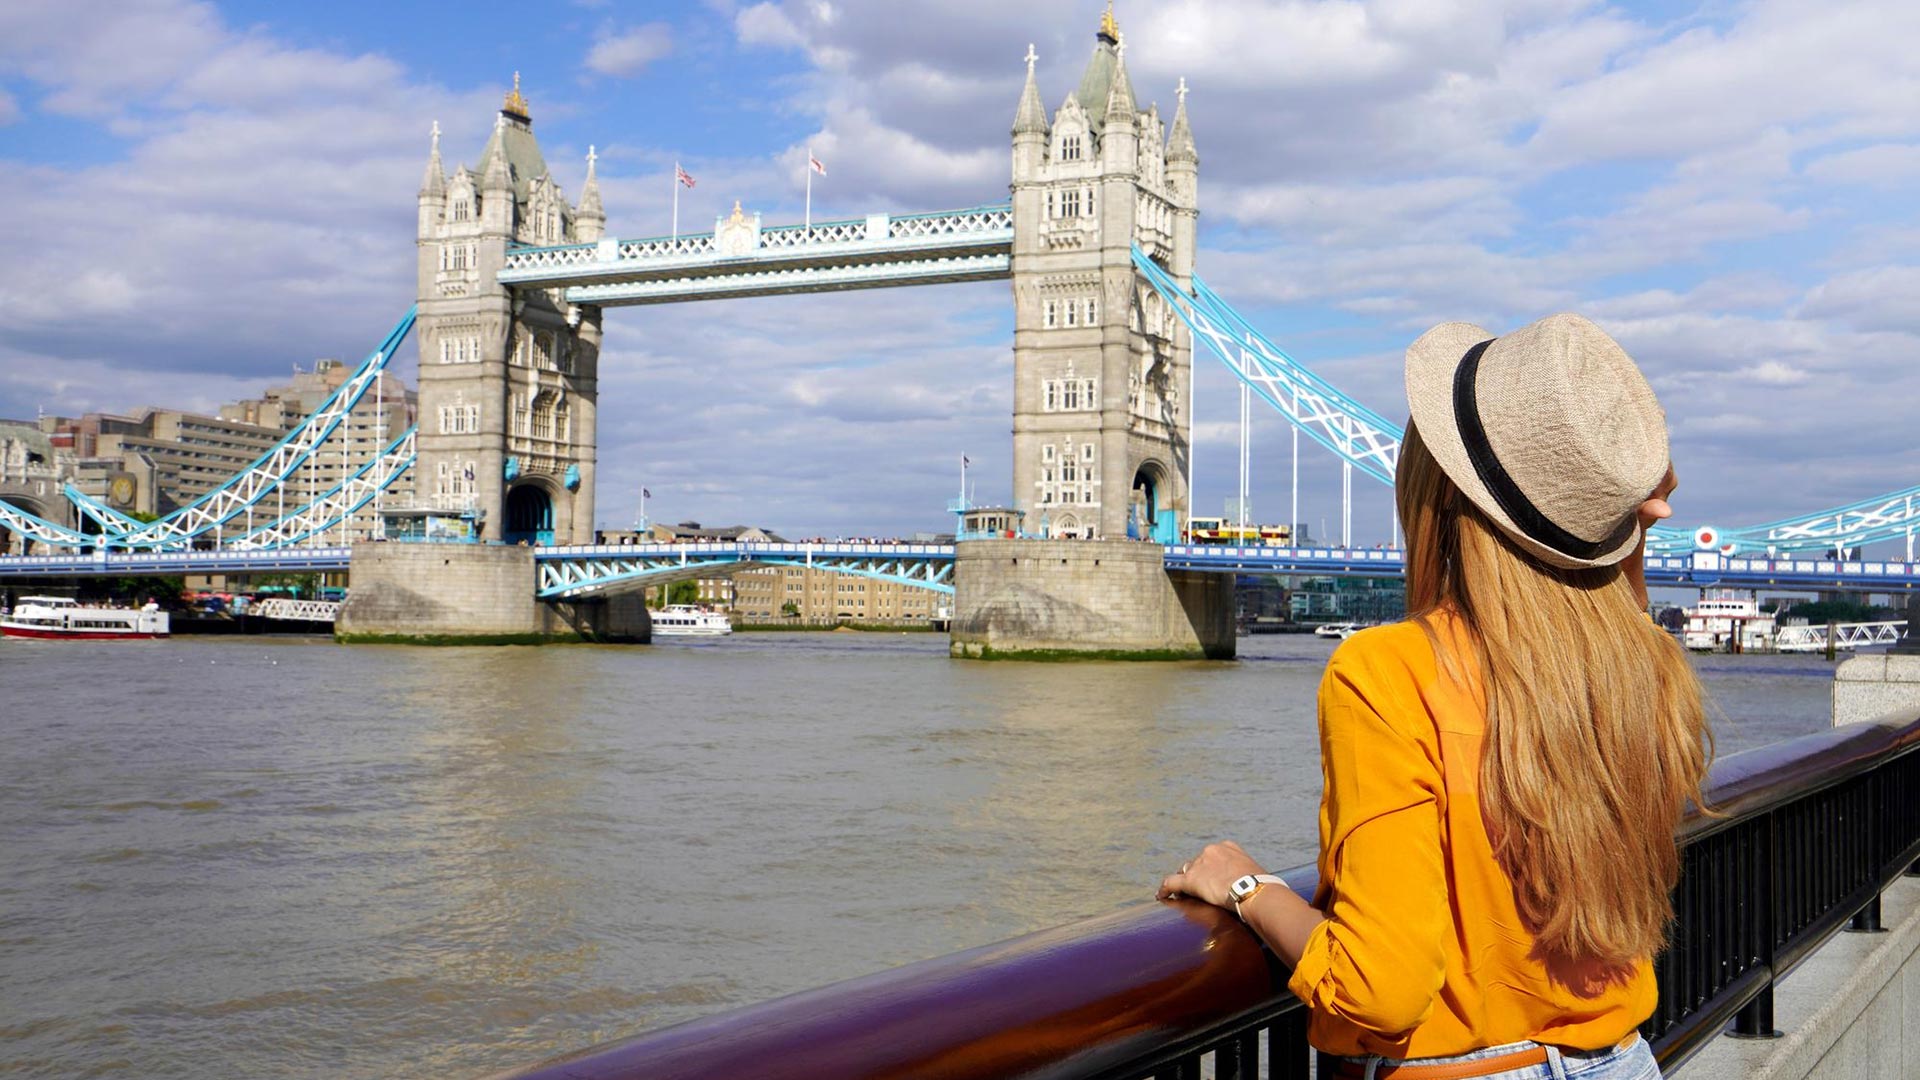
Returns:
point(433, 191)
point(1120, 120)
point(590, 221)
point(1183, 182)
point(496, 184)
point(1029, 129)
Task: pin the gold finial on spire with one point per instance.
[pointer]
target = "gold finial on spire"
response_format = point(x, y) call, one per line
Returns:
point(738, 214)
point(515, 104)
point(1109, 29)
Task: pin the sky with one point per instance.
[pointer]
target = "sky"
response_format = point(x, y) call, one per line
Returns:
point(203, 195)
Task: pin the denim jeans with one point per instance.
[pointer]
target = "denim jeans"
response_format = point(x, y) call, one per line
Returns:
point(1631, 1062)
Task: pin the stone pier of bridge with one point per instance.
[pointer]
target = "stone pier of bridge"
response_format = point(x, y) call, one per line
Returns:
point(1091, 599)
point(472, 594)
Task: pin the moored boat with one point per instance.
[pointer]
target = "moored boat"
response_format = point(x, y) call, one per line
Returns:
point(59, 617)
point(1727, 622)
point(686, 620)
point(1335, 629)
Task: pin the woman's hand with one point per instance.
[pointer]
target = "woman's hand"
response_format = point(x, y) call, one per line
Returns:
point(1656, 508)
point(1210, 874)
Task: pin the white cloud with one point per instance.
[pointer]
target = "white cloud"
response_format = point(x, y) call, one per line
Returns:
point(1774, 373)
point(628, 53)
point(766, 25)
point(9, 108)
point(1887, 165)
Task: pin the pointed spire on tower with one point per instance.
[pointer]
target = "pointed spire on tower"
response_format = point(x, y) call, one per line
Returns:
point(590, 193)
point(1032, 115)
point(1180, 139)
point(1119, 105)
point(495, 174)
point(435, 180)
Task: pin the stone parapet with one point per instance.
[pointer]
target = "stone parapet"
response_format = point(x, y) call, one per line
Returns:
point(460, 593)
point(1091, 598)
point(1869, 687)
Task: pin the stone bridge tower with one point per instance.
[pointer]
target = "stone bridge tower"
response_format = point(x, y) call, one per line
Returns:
point(508, 379)
point(1102, 421)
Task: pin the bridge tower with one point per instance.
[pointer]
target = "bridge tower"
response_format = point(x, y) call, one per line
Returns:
point(1102, 421)
point(508, 379)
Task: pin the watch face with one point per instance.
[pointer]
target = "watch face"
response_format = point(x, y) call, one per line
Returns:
point(1244, 887)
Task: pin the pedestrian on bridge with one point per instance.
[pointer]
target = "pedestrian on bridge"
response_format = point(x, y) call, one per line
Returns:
point(1504, 771)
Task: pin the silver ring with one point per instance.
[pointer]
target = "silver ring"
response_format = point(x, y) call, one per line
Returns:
point(1184, 866)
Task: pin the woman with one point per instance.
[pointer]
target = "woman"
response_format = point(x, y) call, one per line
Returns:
point(1503, 771)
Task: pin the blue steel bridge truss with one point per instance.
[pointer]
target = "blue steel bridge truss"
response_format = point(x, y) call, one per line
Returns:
point(582, 572)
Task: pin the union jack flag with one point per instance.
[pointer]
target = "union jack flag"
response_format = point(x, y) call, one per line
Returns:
point(682, 175)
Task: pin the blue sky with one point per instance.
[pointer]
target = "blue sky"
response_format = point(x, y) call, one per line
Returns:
point(206, 194)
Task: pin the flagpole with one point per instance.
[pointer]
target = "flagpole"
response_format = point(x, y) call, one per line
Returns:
point(809, 218)
point(675, 181)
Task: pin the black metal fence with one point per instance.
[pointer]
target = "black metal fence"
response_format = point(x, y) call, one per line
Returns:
point(1805, 836)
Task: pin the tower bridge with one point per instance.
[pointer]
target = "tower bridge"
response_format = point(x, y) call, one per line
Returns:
point(1098, 241)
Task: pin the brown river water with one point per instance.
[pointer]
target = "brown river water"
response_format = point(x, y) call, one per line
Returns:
point(286, 858)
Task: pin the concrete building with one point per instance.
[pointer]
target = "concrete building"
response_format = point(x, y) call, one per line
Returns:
point(157, 459)
point(824, 597)
point(388, 408)
point(508, 381)
point(1102, 367)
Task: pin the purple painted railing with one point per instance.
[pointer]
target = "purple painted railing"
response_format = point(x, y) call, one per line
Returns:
point(1153, 989)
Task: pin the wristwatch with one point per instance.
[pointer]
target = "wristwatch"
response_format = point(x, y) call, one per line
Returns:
point(1246, 888)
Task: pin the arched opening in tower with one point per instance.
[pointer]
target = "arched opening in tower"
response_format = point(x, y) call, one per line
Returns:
point(529, 515)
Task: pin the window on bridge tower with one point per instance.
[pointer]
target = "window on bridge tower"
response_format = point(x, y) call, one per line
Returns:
point(1070, 148)
point(1070, 203)
point(1053, 393)
point(462, 210)
point(1050, 316)
point(543, 409)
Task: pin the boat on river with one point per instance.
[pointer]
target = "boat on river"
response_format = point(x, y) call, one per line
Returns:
point(687, 620)
point(1336, 629)
point(1727, 622)
point(62, 618)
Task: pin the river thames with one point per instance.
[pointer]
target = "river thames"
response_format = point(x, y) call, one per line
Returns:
point(286, 858)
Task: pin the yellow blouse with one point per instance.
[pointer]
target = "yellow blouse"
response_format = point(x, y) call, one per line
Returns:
point(1423, 953)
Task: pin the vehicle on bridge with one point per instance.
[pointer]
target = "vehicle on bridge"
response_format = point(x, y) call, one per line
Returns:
point(1214, 530)
point(64, 618)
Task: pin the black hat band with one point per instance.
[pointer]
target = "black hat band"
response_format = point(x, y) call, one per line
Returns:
point(1486, 465)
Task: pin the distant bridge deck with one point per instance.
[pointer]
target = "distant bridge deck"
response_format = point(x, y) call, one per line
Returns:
point(584, 570)
point(742, 258)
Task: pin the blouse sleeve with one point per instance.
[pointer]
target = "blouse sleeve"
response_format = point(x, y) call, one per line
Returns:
point(1377, 960)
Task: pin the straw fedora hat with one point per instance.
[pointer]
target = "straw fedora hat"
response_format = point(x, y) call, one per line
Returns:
point(1551, 431)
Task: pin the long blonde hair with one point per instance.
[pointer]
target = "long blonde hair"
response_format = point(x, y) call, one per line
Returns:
point(1596, 732)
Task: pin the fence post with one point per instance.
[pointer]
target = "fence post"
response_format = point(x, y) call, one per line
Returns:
point(1867, 919)
point(1755, 1018)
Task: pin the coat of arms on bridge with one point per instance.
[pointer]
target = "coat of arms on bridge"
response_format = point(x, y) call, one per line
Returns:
point(736, 235)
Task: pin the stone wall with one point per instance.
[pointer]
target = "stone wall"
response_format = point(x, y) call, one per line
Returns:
point(1098, 597)
point(1870, 687)
point(470, 593)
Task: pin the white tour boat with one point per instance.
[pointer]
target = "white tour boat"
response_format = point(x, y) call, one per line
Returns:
point(61, 617)
point(1336, 629)
point(686, 620)
point(1724, 622)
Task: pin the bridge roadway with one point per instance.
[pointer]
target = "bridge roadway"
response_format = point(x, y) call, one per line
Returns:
point(587, 570)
